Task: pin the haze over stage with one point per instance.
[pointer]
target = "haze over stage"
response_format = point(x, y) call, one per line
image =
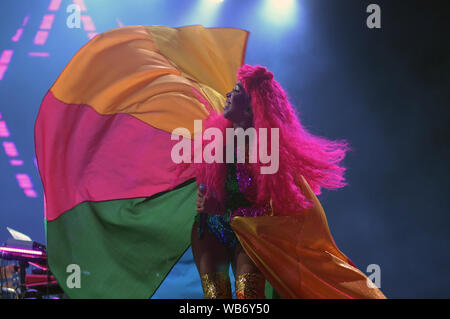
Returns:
point(384, 90)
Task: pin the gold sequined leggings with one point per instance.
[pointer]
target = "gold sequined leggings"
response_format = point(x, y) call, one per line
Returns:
point(247, 286)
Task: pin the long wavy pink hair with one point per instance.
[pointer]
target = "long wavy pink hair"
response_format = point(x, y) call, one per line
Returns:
point(300, 153)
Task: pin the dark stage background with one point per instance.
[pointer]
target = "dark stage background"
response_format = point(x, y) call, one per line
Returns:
point(384, 90)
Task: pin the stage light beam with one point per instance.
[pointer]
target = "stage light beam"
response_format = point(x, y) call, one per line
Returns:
point(204, 12)
point(280, 12)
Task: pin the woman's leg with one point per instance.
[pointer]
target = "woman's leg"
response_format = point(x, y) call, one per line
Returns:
point(249, 281)
point(212, 261)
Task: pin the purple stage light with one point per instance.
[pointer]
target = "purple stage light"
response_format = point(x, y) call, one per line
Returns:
point(24, 181)
point(3, 69)
point(38, 266)
point(39, 54)
point(4, 132)
point(16, 162)
point(25, 20)
point(54, 5)
point(41, 37)
point(88, 24)
point(6, 56)
point(10, 149)
point(17, 36)
point(30, 193)
point(21, 251)
point(47, 21)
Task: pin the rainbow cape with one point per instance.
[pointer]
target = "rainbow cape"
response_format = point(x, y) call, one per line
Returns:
point(114, 204)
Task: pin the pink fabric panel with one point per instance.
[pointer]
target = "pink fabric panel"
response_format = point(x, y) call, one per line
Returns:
point(85, 156)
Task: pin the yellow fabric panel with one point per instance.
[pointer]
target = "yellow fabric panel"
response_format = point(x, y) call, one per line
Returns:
point(210, 56)
point(124, 71)
point(298, 256)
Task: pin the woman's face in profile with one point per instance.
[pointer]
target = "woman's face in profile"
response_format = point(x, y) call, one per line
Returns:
point(237, 108)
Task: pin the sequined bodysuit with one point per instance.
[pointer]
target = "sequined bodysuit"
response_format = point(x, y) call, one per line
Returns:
point(240, 187)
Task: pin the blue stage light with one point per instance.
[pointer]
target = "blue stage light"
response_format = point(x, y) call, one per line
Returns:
point(204, 12)
point(280, 12)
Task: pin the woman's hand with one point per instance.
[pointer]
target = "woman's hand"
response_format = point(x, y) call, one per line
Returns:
point(201, 199)
point(208, 205)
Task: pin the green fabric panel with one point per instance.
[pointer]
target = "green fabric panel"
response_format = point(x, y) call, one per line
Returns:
point(124, 248)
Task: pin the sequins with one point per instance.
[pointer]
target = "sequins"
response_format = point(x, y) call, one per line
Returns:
point(239, 187)
point(248, 212)
point(237, 182)
point(216, 286)
point(250, 286)
point(243, 177)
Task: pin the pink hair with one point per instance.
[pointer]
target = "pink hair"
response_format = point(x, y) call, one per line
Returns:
point(300, 153)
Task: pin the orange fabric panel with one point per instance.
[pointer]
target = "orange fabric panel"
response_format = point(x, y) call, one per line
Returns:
point(298, 256)
point(125, 70)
